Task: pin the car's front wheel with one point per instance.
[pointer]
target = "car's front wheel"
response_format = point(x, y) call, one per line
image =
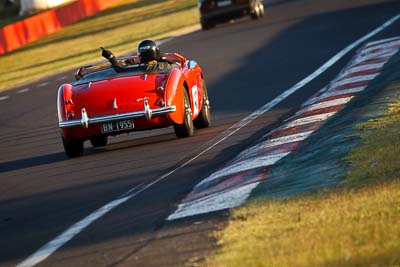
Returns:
point(73, 147)
point(186, 128)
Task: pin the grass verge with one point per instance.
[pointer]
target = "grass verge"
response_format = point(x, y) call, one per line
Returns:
point(119, 28)
point(355, 225)
point(379, 157)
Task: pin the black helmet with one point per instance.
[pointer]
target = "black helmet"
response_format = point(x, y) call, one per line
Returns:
point(148, 51)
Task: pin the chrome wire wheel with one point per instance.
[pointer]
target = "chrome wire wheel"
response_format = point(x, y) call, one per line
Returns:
point(258, 11)
point(186, 128)
point(204, 118)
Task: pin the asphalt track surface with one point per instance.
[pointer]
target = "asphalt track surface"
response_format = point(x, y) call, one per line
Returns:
point(246, 63)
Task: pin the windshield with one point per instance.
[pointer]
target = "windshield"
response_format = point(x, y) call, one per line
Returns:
point(102, 70)
point(109, 73)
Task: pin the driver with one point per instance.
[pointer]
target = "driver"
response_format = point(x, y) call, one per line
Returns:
point(149, 55)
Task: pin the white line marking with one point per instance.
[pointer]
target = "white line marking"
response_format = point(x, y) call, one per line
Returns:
point(56, 243)
point(284, 139)
point(323, 105)
point(219, 201)
point(48, 249)
point(4, 97)
point(361, 78)
point(43, 84)
point(321, 91)
point(373, 66)
point(271, 143)
point(166, 40)
point(366, 67)
point(380, 52)
point(62, 78)
point(387, 45)
point(309, 119)
point(377, 55)
point(374, 43)
point(245, 165)
point(334, 93)
point(23, 91)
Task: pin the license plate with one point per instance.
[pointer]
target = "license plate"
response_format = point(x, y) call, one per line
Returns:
point(116, 126)
point(224, 3)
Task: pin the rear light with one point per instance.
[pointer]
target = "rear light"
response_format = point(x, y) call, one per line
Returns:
point(70, 115)
point(160, 103)
point(69, 106)
point(65, 105)
point(206, 5)
point(160, 92)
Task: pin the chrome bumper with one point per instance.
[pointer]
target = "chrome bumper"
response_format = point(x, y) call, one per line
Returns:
point(85, 121)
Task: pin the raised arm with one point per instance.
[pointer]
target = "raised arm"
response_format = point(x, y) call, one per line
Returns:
point(107, 54)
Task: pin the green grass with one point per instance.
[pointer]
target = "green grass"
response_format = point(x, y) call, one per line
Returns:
point(343, 228)
point(355, 225)
point(119, 28)
point(379, 157)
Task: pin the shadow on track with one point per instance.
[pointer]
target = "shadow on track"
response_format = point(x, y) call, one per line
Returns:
point(60, 156)
point(31, 162)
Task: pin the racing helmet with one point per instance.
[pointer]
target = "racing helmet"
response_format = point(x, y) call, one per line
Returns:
point(148, 50)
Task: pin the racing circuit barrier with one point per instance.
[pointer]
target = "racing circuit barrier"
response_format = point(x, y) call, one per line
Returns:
point(15, 35)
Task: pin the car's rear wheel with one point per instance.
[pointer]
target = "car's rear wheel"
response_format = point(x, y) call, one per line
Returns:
point(204, 118)
point(73, 147)
point(185, 129)
point(206, 25)
point(99, 141)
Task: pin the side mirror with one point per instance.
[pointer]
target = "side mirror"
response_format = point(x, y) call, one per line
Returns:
point(192, 64)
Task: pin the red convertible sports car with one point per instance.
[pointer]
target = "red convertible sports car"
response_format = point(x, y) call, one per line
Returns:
point(103, 102)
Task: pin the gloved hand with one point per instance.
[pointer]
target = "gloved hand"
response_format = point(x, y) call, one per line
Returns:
point(106, 53)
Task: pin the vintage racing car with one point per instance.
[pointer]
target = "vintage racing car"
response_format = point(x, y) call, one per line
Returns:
point(102, 102)
point(218, 11)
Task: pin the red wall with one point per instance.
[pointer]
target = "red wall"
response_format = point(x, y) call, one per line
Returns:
point(30, 29)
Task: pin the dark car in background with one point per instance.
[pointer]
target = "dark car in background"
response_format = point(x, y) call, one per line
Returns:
point(219, 11)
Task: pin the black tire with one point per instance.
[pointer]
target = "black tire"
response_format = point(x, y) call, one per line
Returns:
point(185, 129)
point(204, 118)
point(73, 147)
point(99, 141)
point(206, 25)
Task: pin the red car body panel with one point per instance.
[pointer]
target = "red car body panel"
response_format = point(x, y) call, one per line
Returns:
point(150, 100)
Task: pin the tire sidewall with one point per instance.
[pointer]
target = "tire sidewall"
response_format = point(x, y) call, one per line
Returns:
point(186, 128)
